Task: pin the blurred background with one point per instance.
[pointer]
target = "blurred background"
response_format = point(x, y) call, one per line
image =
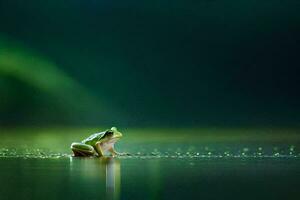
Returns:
point(205, 92)
point(149, 63)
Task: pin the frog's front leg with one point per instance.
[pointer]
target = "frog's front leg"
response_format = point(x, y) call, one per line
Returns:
point(80, 149)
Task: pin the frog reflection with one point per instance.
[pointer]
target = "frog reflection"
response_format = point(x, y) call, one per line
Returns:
point(105, 170)
point(113, 177)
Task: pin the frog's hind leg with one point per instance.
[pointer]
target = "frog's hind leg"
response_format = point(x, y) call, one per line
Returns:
point(83, 150)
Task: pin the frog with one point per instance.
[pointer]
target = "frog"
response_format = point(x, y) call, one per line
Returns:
point(98, 144)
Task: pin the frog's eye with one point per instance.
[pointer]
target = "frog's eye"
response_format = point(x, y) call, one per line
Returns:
point(108, 133)
point(113, 128)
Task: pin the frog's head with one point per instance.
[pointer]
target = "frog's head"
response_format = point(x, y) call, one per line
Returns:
point(113, 133)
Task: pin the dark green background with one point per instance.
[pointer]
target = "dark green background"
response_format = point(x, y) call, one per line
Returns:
point(155, 63)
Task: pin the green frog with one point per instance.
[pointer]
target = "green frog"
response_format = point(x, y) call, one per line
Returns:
point(98, 144)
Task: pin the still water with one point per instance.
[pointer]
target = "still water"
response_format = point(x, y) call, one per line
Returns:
point(160, 167)
point(113, 178)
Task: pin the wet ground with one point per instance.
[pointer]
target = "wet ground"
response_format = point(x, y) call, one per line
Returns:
point(164, 164)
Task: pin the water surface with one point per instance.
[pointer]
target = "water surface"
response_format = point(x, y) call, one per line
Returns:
point(164, 164)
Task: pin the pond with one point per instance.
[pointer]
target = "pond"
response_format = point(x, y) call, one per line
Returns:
point(164, 164)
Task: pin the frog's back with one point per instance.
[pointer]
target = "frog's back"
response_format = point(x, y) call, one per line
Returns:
point(91, 140)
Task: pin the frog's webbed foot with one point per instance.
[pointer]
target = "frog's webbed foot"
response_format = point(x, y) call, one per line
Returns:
point(115, 153)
